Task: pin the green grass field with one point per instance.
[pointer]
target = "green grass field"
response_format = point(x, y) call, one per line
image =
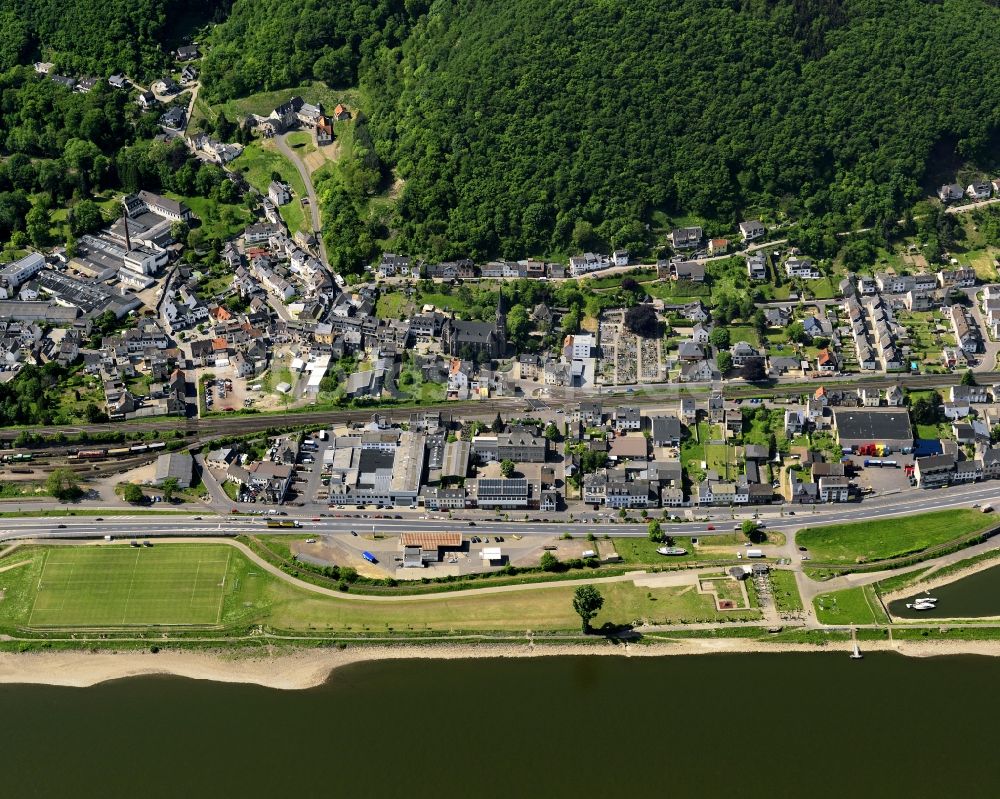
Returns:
point(852, 606)
point(103, 587)
point(786, 591)
point(257, 161)
point(860, 542)
point(213, 584)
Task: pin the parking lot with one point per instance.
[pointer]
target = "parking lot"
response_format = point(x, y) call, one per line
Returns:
point(344, 549)
point(884, 479)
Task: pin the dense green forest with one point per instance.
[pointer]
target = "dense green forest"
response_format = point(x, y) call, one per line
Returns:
point(98, 36)
point(532, 127)
point(277, 44)
point(527, 126)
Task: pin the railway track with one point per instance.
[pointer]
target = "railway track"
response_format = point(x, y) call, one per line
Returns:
point(215, 426)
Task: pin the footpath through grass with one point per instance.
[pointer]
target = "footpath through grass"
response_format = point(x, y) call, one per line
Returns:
point(881, 539)
point(214, 584)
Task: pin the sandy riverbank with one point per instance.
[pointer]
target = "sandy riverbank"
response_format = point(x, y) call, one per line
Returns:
point(308, 668)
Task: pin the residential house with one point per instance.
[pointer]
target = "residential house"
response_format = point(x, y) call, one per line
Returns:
point(688, 270)
point(826, 361)
point(689, 410)
point(718, 246)
point(627, 418)
point(279, 193)
point(960, 277)
point(174, 118)
point(794, 423)
point(834, 488)
point(324, 131)
point(964, 328)
point(715, 492)
point(695, 312)
point(665, 431)
point(933, 470)
point(734, 421)
point(690, 351)
point(716, 407)
point(686, 238)
point(700, 333)
point(802, 268)
point(757, 266)
point(978, 190)
point(588, 262)
point(751, 230)
point(974, 394)
point(991, 463)
point(949, 192)
point(741, 351)
point(699, 372)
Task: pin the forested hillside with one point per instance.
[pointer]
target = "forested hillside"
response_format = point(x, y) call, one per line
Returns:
point(276, 44)
point(543, 126)
point(95, 36)
point(529, 126)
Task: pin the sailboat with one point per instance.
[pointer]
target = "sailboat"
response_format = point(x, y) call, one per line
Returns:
point(856, 654)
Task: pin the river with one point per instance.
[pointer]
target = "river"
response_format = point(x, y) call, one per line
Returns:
point(972, 597)
point(772, 725)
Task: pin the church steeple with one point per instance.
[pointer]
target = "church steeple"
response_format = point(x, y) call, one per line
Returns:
point(500, 329)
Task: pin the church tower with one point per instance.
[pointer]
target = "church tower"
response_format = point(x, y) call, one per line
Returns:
point(500, 329)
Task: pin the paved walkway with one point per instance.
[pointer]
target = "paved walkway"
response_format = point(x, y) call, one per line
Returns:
point(317, 224)
point(332, 592)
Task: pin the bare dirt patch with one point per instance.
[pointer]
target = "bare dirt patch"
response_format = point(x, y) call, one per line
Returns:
point(329, 153)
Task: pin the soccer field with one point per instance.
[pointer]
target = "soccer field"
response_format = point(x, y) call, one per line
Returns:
point(111, 586)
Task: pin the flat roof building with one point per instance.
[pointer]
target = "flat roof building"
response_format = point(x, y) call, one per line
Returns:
point(858, 427)
point(178, 465)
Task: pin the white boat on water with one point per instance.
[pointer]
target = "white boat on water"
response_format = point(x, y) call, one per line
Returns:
point(921, 605)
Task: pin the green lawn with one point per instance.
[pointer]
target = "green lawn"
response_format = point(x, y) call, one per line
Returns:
point(209, 584)
point(392, 305)
point(112, 586)
point(643, 551)
point(444, 302)
point(786, 591)
point(257, 162)
point(301, 142)
point(79, 390)
point(264, 103)
point(932, 431)
point(859, 542)
point(218, 220)
point(744, 333)
point(852, 606)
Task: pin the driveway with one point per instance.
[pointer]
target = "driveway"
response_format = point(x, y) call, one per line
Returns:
point(317, 225)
